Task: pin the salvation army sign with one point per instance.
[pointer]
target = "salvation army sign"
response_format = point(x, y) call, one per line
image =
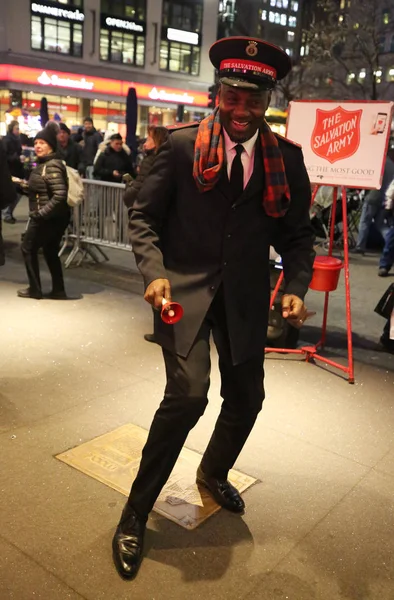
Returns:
point(336, 134)
point(344, 143)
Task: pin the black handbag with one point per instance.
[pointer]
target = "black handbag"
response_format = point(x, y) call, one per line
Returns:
point(385, 306)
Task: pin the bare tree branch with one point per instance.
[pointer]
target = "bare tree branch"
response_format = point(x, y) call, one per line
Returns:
point(338, 46)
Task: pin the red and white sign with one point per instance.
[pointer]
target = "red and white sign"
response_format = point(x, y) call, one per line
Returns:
point(336, 134)
point(55, 80)
point(100, 85)
point(344, 143)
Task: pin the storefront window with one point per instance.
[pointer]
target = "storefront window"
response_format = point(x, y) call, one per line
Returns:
point(179, 58)
point(123, 29)
point(62, 35)
point(183, 14)
point(126, 48)
point(180, 36)
point(132, 9)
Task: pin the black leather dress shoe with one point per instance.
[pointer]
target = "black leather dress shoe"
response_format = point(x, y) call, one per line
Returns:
point(28, 293)
point(225, 494)
point(128, 542)
point(150, 337)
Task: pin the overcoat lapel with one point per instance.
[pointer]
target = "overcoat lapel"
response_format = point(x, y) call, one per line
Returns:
point(223, 185)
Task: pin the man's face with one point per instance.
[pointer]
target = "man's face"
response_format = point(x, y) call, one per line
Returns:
point(62, 137)
point(242, 111)
point(116, 145)
point(88, 126)
point(15, 130)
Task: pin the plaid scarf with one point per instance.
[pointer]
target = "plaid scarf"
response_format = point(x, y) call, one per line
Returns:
point(209, 159)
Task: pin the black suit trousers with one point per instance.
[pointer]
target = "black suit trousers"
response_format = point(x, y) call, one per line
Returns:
point(45, 234)
point(185, 400)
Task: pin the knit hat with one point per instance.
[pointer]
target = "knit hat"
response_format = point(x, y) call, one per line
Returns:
point(63, 127)
point(49, 135)
point(116, 136)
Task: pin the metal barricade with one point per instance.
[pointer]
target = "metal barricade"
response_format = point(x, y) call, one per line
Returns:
point(101, 221)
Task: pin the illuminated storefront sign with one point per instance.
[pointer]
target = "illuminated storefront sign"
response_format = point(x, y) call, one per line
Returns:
point(100, 85)
point(114, 23)
point(186, 37)
point(165, 96)
point(58, 11)
point(56, 81)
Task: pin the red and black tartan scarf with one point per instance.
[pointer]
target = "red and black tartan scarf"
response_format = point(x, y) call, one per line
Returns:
point(209, 155)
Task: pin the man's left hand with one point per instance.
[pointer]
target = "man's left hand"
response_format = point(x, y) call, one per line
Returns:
point(294, 310)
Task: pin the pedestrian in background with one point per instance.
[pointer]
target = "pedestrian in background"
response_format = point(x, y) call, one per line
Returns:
point(114, 162)
point(68, 150)
point(7, 195)
point(156, 138)
point(157, 135)
point(387, 257)
point(13, 150)
point(373, 210)
point(104, 145)
point(48, 217)
point(91, 139)
point(385, 309)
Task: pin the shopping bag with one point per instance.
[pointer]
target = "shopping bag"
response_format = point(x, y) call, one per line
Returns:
point(385, 306)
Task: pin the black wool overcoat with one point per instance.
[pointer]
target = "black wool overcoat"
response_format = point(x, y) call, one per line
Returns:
point(200, 241)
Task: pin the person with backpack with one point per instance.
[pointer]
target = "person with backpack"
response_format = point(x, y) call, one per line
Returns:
point(49, 216)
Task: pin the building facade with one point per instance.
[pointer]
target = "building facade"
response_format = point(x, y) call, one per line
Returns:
point(279, 22)
point(84, 55)
point(276, 21)
point(359, 44)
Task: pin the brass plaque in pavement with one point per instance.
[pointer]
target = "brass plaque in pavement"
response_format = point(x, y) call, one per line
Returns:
point(114, 459)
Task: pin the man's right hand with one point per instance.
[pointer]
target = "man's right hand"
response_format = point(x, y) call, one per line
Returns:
point(156, 291)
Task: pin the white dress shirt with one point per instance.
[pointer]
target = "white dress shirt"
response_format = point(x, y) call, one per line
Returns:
point(247, 157)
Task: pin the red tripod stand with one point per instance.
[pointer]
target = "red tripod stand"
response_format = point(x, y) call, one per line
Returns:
point(312, 352)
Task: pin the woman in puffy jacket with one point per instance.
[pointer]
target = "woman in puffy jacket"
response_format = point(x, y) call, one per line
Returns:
point(156, 137)
point(49, 215)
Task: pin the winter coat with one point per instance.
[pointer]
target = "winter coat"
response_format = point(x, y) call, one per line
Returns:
point(7, 188)
point(13, 150)
point(90, 143)
point(48, 191)
point(72, 156)
point(203, 241)
point(104, 145)
point(134, 187)
point(110, 161)
point(378, 197)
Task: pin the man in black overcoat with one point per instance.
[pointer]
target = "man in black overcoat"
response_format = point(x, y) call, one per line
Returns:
point(218, 195)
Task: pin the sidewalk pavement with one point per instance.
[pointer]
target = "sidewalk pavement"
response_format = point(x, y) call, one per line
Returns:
point(319, 523)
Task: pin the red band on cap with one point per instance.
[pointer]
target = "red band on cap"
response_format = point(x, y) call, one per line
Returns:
point(248, 65)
